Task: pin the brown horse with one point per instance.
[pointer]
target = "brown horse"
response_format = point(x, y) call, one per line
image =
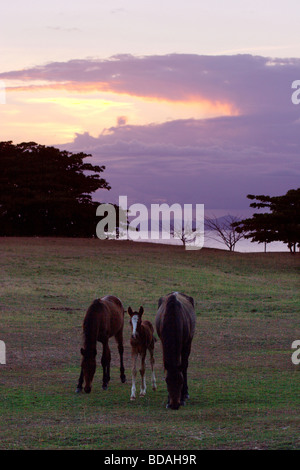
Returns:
point(142, 339)
point(104, 319)
point(175, 325)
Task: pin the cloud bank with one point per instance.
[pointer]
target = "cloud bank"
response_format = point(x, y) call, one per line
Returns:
point(217, 161)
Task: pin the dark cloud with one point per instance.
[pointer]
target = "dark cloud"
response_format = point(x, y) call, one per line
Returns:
point(215, 161)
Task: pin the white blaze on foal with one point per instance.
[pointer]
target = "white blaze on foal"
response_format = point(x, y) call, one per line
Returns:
point(134, 321)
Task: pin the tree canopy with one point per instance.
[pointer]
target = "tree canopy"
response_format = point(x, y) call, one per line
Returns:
point(47, 192)
point(280, 223)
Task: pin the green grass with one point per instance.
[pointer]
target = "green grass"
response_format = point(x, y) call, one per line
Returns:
point(244, 388)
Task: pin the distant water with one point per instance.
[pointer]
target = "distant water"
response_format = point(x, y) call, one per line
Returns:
point(242, 246)
point(246, 246)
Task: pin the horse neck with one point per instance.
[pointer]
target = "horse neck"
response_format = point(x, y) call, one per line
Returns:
point(92, 324)
point(141, 337)
point(140, 328)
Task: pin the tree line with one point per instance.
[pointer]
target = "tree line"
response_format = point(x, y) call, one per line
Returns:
point(280, 223)
point(45, 191)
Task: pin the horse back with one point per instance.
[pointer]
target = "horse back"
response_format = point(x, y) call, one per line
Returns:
point(148, 333)
point(104, 318)
point(176, 309)
point(113, 315)
point(148, 326)
point(114, 303)
point(188, 318)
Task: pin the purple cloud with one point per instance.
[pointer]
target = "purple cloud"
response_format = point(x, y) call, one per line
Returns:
point(212, 161)
point(216, 161)
point(253, 84)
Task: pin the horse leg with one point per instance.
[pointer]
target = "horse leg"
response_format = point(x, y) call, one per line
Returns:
point(151, 351)
point(185, 362)
point(119, 338)
point(133, 373)
point(105, 362)
point(80, 382)
point(142, 372)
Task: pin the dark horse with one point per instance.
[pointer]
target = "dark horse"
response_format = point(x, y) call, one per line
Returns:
point(142, 339)
point(175, 325)
point(104, 319)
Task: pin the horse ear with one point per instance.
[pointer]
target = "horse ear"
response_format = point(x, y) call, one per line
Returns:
point(160, 301)
point(192, 301)
point(141, 311)
point(130, 312)
point(82, 351)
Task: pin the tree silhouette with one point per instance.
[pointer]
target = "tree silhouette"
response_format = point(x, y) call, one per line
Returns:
point(47, 192)
point(280, 223)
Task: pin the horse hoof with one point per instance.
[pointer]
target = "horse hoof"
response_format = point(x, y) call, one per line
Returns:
point(123, 380)
point(78, 390)
point(132, 398)
point(142, 395)
point(154, 388)
point(104, 387)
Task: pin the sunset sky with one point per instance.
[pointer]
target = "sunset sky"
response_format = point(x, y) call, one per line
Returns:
point(185, 102)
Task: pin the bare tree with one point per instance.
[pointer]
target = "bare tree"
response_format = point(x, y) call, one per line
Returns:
point(186, 234)
point(223, 229)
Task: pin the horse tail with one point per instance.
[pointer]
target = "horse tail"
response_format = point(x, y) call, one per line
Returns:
point(171, 333)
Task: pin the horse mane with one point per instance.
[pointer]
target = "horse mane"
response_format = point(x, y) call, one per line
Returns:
point(171, 333)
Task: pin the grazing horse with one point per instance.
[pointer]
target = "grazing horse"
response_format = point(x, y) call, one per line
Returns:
point(175, 326)
point(142, 338)
point(104, 319)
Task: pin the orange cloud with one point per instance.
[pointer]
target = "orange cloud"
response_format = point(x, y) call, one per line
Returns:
point(207, 107)
point(77, 87)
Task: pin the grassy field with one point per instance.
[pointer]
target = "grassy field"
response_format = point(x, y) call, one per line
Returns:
point(245, 391)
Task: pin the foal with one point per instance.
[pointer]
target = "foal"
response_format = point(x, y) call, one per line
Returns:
point(142, 338)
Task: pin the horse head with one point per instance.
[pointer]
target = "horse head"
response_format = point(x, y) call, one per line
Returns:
point(174, 382)
point(135, 321)
point(88, 365)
